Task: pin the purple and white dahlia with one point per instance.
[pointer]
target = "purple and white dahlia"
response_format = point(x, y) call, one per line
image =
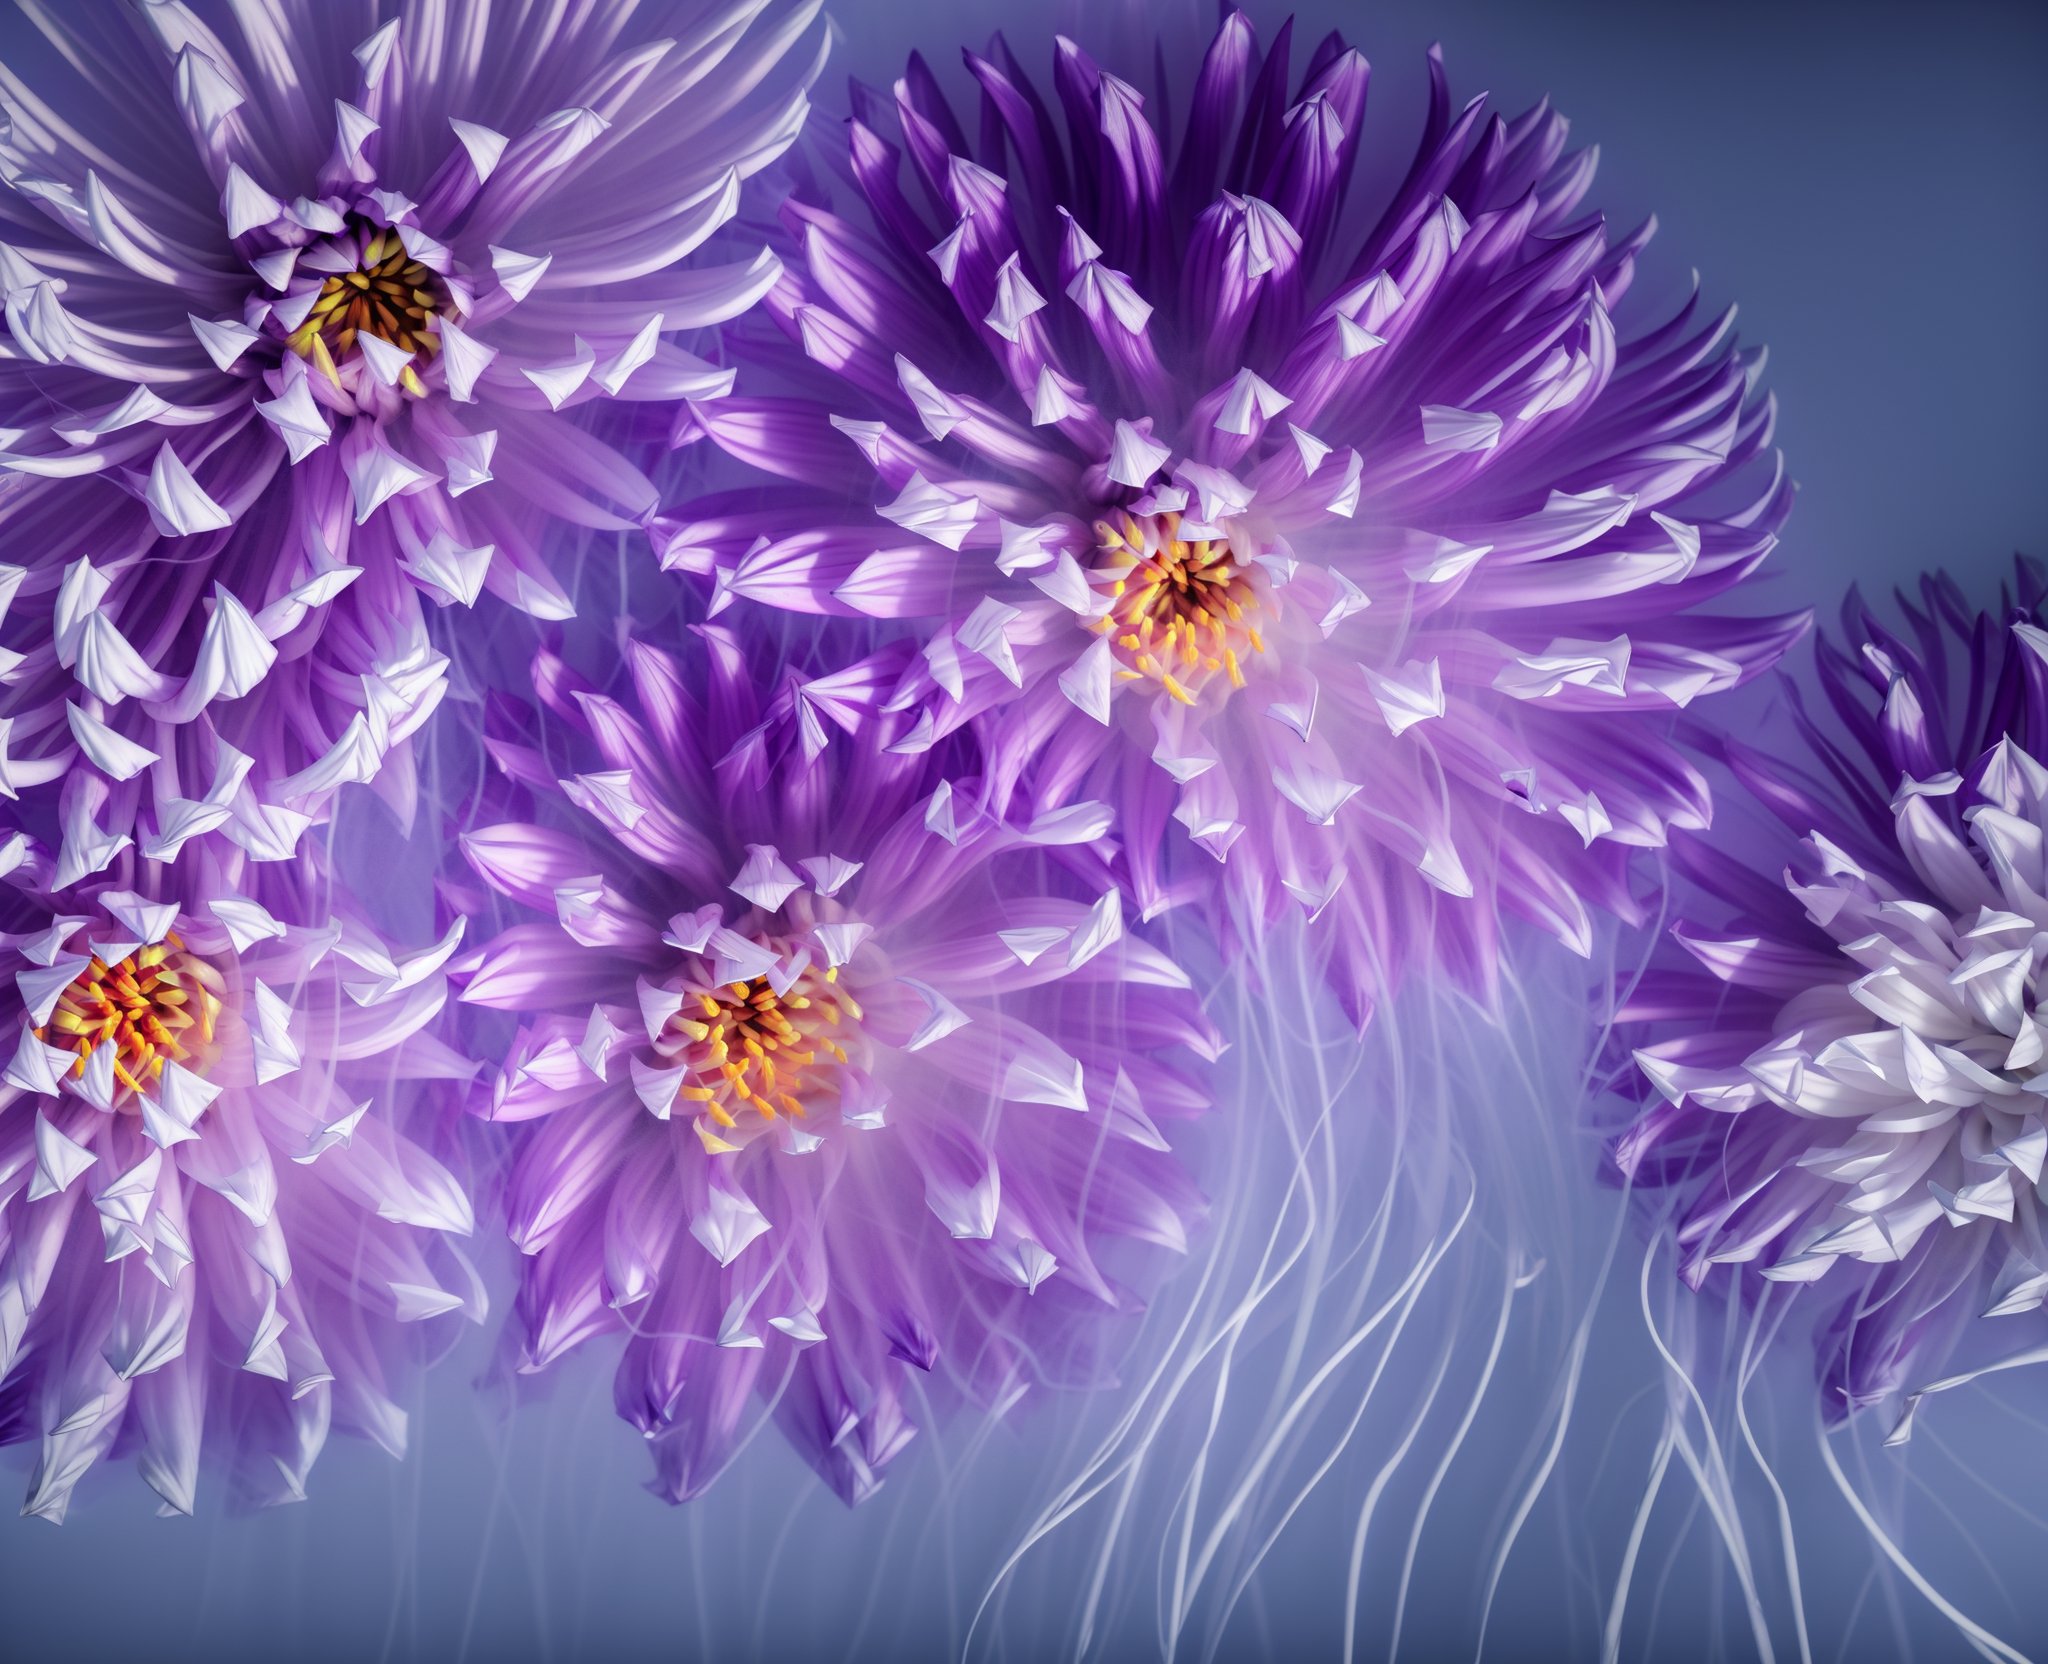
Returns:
point(1380, 538)
point(212, 1217)
point(1851, 1064)
point(833, 1080)
point(305, 304)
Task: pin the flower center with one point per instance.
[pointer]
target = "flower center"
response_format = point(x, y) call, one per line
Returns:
point(385, 295)
point(1181, 609)
point(745, 1047)
point(160, 1004)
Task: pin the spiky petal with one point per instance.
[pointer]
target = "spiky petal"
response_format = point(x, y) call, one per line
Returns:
point(303, 342)
point(1844, 1068)
point(1371, 560)
point(217, 1116)
point(831, 1077)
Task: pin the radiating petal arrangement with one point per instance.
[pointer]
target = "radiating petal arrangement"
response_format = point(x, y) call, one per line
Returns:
point(1359, 563)
point(301, 327)
point(1848, 1075)
point(813, 1113)
point(1171, 532)
point(220, 1199)
point(868, 642)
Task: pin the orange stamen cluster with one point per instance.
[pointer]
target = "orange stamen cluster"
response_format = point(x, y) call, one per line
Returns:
point(750, 1049)
point(390, 295)
point(1180, 609)
point(161, 1004)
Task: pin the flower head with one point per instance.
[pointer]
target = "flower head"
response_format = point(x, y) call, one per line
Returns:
point(213, 1215)
point(1375, 555)
point(835, 1079)
point(302, 334)
point(1850, 1065)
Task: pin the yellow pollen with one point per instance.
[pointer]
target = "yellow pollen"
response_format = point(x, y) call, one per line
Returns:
point(747, 1050)
point(1177, 605)
point(157, 1006)
point(389, 295)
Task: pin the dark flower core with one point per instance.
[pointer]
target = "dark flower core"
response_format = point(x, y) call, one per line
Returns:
point(1181, 608)
point(384, 293)
point(160, 1004)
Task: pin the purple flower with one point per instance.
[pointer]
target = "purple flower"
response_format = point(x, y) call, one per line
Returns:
point(834, 1079)
point(302, 326)
point(1383, 541)
point(1850, 1065)
point(211, 1218)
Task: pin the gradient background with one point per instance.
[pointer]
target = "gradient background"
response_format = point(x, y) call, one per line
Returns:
point(1868, 179)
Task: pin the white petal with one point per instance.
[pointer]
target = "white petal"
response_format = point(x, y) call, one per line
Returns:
point(353, 128)
point(1250, 394)
point(737, 958)
point(1015, 301)
point(1599, 666)
point(453, 573)
point(463, 359)
point(484, 145)
point(599, 1035)
point(1316, 792)
point(1588, 819)
point(1354, 339)
point(1445, 427)
point(1135, 457)
point(829, 873)
point(942, 1016)
point(39, 1068)
point(276, 268)
point(982, 632)
point(387, 362)
point(841, 941)
point(726, 1223)
point(59, 1161)
point(938, 814)
point(1029, 942)
point(374, 55)
point(518, 273)
point(613, 374)
point(247, 204)
point(225, 340)
point(114, 755)
point(205, 94)
point(1350, 600)
point(276, 1053)
point(149, 922)
point(933, 512)
point(1104, 925)
point(298, 419)
point(247, 922)
point(1045, 1077)
point(1050, 401)
point(1410, 695)
point(176, 503)
point(940, 412)
point(1087, 682)
point(764, 879)
point(1311, 449)
point(1112, 291)
point(559, 382)
point(111, 668)
point(657, 1088)
point(468, 460)
point(377, 475)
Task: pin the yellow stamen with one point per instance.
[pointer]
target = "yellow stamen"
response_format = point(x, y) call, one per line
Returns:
point(137, 1009)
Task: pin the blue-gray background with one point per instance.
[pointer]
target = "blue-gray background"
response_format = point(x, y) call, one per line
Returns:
point(1867, 180)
